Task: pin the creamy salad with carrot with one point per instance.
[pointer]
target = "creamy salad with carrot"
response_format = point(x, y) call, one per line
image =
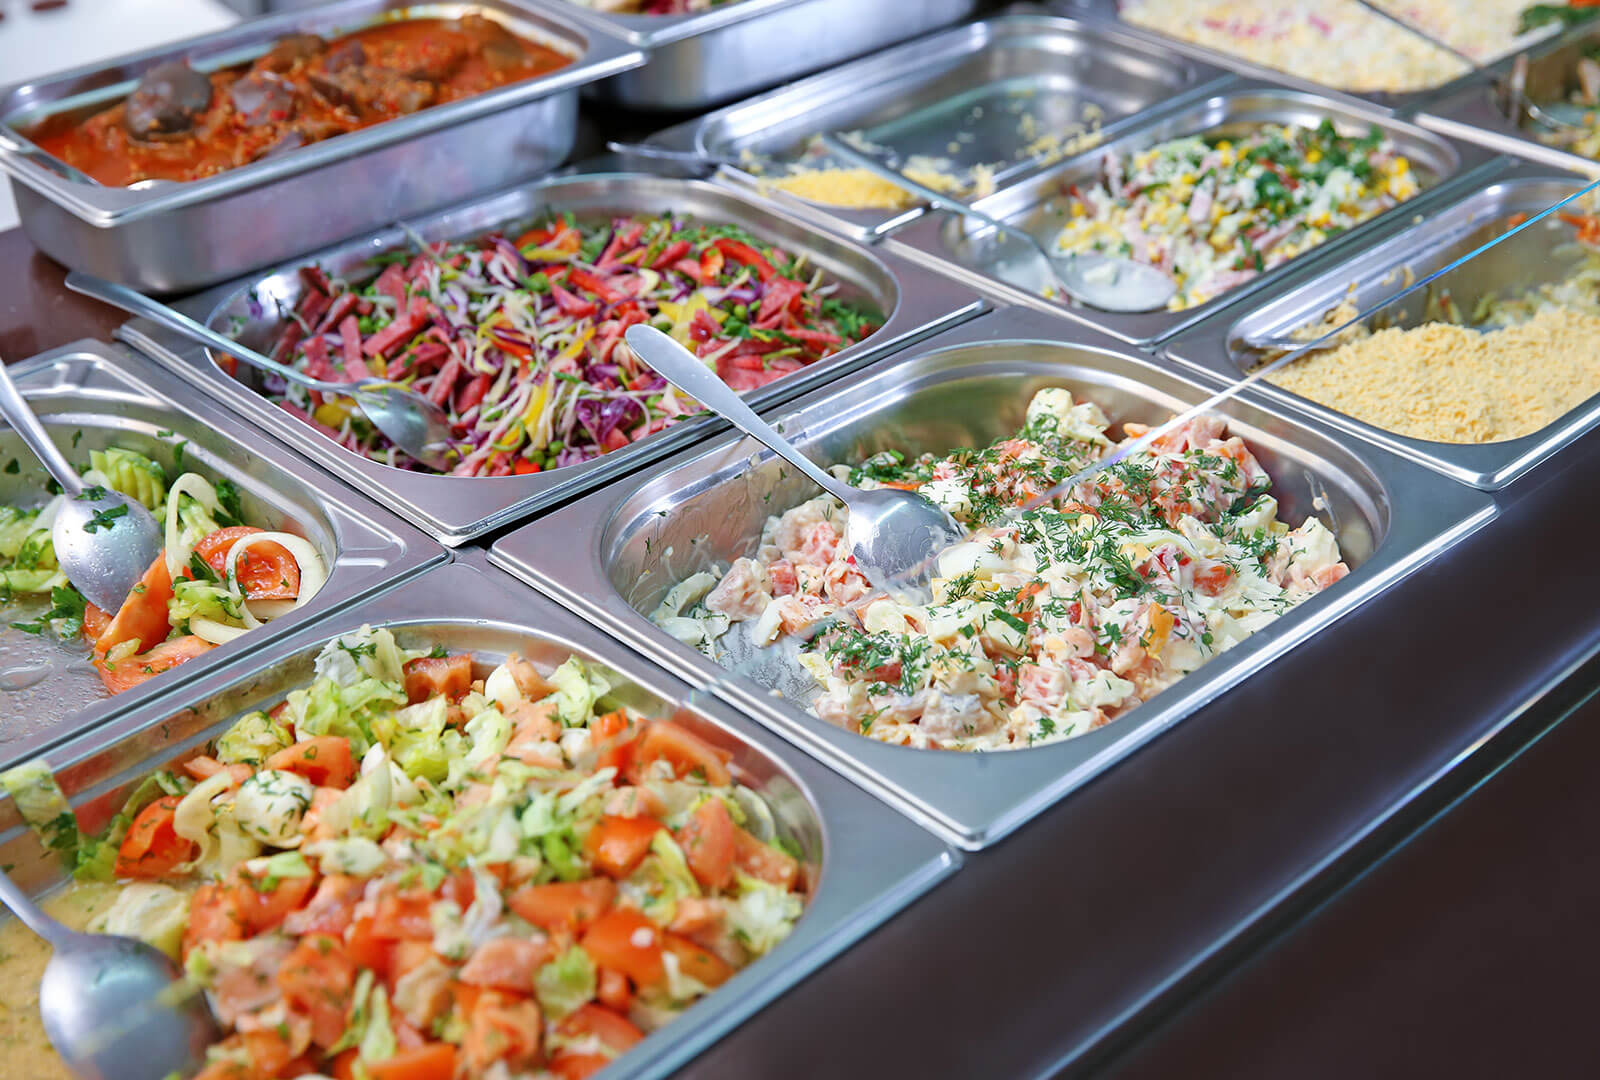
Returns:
point(1042, 626)
point(422, 868)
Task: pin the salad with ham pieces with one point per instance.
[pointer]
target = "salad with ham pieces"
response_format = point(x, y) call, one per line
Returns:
point(420, 868)
point(519, 335)
point(216, 578)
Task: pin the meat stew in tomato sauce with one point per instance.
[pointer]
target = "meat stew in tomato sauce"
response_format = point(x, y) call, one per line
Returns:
point(182, 124)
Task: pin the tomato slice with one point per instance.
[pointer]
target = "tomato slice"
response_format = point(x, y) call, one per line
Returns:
point(617, 845)
point(689, 754)
point(430, 676)
point(152, 848)
point(568, 906)
point(264, 572)
point(143, 615)
point(325, 760)
point(130, 671)
point(624, 940)
point(707, 841)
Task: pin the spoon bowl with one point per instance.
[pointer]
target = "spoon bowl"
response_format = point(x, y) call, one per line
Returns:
point(115, 1008)
point(409, 420)
point(893, 535)
point(104, 541)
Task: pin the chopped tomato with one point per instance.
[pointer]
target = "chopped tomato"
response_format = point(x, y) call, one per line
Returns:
point(204, 767)
point(582, 279)
point(263, 908)
point(507, 963)
point(624, 940)
point(1212, 579)
point(617, 1032)
point(325, 760)
point(316, 980)
point(213, 916)
point(707, 842)
point(430, 676)
point(688, 753)
point(764, 861)
point(523, 467)
point(130, 671)
point(404, 915)
point(613, 990)
point(617, 845)
point(433, 1061)
point(269, 1051)
point(152, 848)
point(332, 910)
point(264, 571)
point(143, 615)
point(367, 949)
point(404, 957)
point(711, 262)
point(696, 962)
point(95, 622)
point(564, 905)
point(506, 1028)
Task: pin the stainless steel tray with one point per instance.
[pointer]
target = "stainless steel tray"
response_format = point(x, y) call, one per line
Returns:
point(175, 237)
point(1542, 254)
point(872, 861)
point(612, 556)
point(965, 248)
point(1484, 113)
point(1403, 102)
point(966, 83)
point(455, 509)
point(92, 396)
point(711, 57)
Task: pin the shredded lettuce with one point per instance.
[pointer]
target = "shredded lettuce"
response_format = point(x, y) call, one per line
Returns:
point(577, 688)
point(363, 654)
point(565, 983)
point(15, 525)
point(252, 739)
point(151, 913)
point(418, 744)
point(32, 786)
point(763, 915)
point(662, 879)
point(355, 709)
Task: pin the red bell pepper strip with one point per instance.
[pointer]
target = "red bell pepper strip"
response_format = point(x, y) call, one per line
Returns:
point(670, 254)
point(571, 304)
point(582, 279)
point(744, 253)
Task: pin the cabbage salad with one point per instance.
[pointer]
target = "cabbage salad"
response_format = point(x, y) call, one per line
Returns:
point(1215, 210)
point(215, 579)
point(405, 871)
point(1043, 626)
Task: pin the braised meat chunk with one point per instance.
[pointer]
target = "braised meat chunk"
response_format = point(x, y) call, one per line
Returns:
point(182, 124)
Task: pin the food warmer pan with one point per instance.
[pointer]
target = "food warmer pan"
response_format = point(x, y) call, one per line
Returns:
point(709, 57)
point(455, 509)
point(90, 396)
point(613, 555)
point(870, 862)
point(989, 87)
point(168, 237)
point(1543, 254)
point(968, 248)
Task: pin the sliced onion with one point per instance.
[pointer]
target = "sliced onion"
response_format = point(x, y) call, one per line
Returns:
point(198, 488)
point(313, 574)
point(215, 632)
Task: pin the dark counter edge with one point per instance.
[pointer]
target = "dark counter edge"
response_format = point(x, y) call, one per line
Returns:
point(1072, 946)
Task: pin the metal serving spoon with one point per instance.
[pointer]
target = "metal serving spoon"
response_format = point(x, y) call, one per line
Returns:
point(412, 422)
point(1108, 282)
point(684, 157)
point(115, 1008)
point(104, 541)
point(892, 534)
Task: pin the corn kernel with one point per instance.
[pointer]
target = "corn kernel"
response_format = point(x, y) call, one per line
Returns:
point(1313, 155)
point(1401, 166)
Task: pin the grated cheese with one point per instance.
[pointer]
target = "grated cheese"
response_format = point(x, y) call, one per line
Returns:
point(1450, 384)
